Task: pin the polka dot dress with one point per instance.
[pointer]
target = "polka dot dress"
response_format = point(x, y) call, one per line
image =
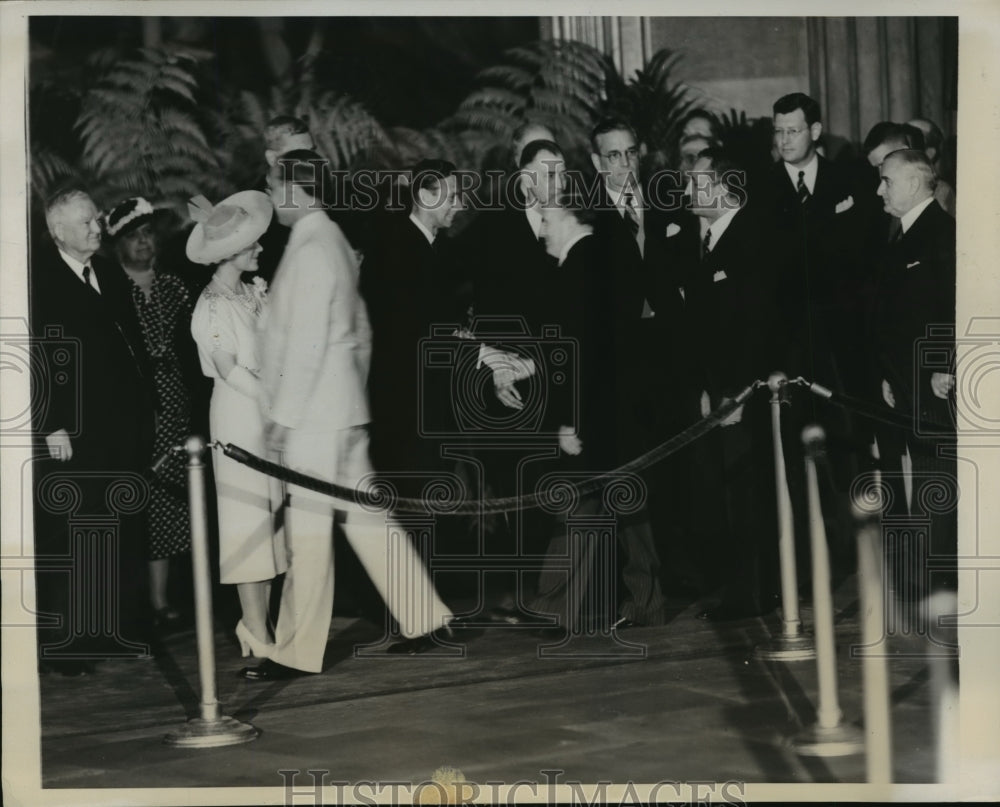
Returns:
point(162, 315)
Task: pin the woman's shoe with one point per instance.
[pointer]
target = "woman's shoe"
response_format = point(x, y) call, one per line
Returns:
point(250, 644)
point(167, 620)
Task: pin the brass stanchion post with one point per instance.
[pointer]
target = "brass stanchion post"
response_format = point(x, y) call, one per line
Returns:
point(793, 644)
point(211, 729)
point(829, 736)
point(875, 675)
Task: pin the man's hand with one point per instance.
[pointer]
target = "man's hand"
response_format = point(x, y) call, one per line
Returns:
point(942, 384)
point(275, 435)
point(59, 445)
point(568, 441)
point(507, 394)
point(887, 395)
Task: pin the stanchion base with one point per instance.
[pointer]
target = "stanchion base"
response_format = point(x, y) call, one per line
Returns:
point(201, 733)
point(839, 741)
point(787, 648)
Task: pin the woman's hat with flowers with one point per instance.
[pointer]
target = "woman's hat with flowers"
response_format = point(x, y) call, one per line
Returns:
point(127, 216)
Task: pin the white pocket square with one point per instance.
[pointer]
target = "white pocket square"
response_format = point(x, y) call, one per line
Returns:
point(911, 265)
point(847, 204)
point(720, 275)
point(673, 229)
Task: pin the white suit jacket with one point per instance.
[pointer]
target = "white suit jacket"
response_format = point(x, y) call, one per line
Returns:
point(315, 335)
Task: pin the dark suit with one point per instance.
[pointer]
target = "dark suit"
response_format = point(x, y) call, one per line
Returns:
point(510, 270)
point(731, 311)
point(577, 298)
point(818, 253)
point(917, 292)
point(633, 264)
point(409, 286)
point(106, 406)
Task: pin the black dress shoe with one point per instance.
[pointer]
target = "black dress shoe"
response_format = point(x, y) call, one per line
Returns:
point(421, 644)
point(269, 670)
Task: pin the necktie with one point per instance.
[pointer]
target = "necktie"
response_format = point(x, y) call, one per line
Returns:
point(802, 188)
point(895, 230)
point(631, 216)
point(87, 272)
point(706, 243)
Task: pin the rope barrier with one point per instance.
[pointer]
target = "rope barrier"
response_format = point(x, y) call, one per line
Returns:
point(378, 498)
point(922, 428)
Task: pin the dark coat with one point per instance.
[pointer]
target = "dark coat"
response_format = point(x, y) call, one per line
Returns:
point(642, 344)
point(731, 309)
point(107, 402)
point(917, 292)
point(818, 253)
point(578, 300)
point(410, 289)
point(508, 266)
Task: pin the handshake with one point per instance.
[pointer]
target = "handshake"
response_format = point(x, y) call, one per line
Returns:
point(507, 368)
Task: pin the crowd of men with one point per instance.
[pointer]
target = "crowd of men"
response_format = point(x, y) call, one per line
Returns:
point(665, 311)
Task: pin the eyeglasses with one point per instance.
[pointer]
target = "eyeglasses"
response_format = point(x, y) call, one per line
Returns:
point(616, 156)
point(791, 133)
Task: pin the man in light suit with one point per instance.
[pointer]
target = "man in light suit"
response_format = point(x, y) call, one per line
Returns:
point(316, 345)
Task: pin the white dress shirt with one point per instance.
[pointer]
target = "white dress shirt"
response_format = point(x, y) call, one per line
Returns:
point(907, 219)
point(420, 226)
point(718, 227)
point(810, 169)
point(78, 267)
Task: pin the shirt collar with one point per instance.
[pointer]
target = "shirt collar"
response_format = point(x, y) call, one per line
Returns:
point(618, 197)
point(719, 226)
point(534, 219)
point(570, 244)
point(74, 264)
point(420, 226)
point(811, 169)
point(907, 219)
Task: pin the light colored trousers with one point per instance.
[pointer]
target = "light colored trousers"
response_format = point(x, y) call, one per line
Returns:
point(307, 597)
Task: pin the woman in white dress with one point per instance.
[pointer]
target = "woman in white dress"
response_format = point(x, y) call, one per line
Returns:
point(224, 326)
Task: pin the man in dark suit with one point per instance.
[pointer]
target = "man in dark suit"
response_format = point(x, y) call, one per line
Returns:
point(410, 284)
point(731, 319)
point(818, 247)
point(97, 431)
point(576, 297)
point(630, 235)
point(510, 267)
point(917, 293)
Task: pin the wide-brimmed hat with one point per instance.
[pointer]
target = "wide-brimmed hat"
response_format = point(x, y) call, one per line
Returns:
point(227, 228)
point(127, 216)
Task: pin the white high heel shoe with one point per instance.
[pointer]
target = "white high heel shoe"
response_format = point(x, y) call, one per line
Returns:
point(250, 644)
